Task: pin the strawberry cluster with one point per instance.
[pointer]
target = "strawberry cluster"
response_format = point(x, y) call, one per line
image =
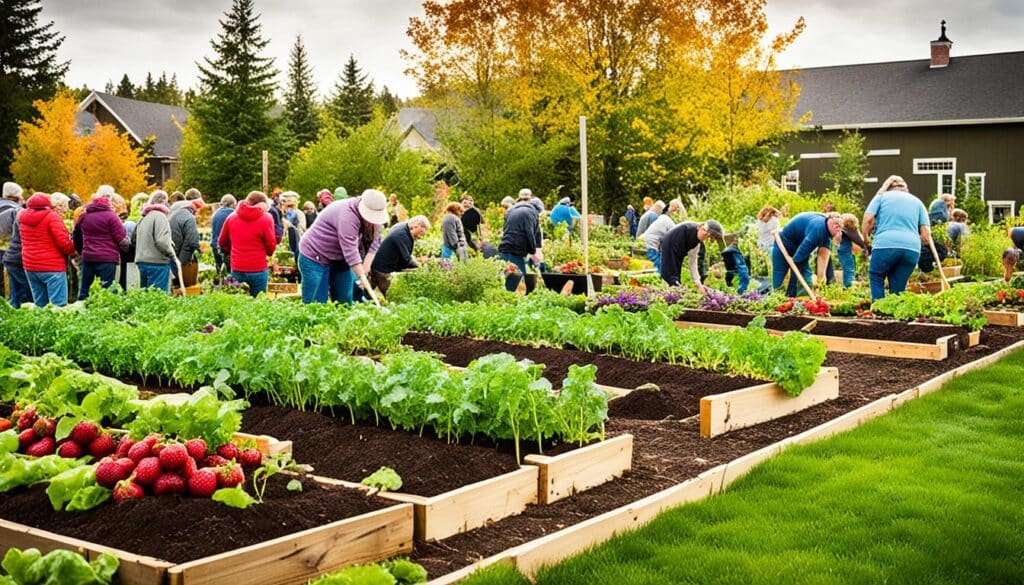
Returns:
point(812, 307)
point(576, 267)
point(36, 436)
point(162, 467)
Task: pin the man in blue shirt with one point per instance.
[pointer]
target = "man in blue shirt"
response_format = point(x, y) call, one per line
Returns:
point(564, 213)
point(806, 234)
point(227, 207)
point(938, 211)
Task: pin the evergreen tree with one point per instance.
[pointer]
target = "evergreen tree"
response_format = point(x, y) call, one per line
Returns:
point(147, 93)
point(299, 106)
point(352, 103)
point(229, 127)
point(387, 101)
point(29, 69)
point(125, 88)
point(109, 87)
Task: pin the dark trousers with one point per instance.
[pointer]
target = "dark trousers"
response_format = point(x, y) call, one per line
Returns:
point(106, 271)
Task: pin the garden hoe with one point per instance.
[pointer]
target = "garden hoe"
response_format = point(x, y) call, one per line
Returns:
point(792, 265)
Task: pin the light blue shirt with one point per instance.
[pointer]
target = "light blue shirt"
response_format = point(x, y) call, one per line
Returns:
point(898, 219)
point(563, 214)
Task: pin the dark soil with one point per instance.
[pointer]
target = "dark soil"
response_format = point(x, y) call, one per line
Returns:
point(667, 452)
point(335, 448)
point(677, 395)
point(179, 529)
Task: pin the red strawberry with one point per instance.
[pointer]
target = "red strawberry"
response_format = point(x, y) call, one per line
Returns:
point(45, 427)
point(127, 465)
point(250, 458)
point(70, 450)
point(102, 446)
point(147, 471)
point(140, 451)
point(5, 424)
point(128, 490)
point(190, 467)
point(26, 438)
point(173, 456)
point(84, 433)
point(203, 483)
point(27, 419)
point(230, 476)
point(169, 483)
point(228, 451)
point(196, 449)
point(213, 461)
point(152, 439)
point(123, 446)
point(42, 447)
point(109, 472)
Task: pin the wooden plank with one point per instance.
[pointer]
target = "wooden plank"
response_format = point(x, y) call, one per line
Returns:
point(848, 421)
point(564, 475)
point(14, 535)
point(881, 347)
point(721, 413)
point(719, 326)
point(296, 558)
point(134, 569)
point(739, 467)
point(716, 475)
point(973, 338)
point(904, 397)
point(465, 572)
point(1005, 318)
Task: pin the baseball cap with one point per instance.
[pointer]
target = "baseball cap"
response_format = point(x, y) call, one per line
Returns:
point(715, 230)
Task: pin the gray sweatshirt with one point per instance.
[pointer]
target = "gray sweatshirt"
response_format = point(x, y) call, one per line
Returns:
point(153, 237)
point(452, 232)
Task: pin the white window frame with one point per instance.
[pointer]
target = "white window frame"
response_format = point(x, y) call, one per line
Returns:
point(994, 204)
point(967, 183)
point(790, 179)
point(938, 173)
point(884, 152)
point(818, 155)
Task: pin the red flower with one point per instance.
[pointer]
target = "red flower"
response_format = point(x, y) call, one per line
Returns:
point(1001, 295)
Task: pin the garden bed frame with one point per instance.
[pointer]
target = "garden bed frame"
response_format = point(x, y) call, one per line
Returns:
point(1005, 318)
point(561, 476)
point(529, 557)
point(291, 559)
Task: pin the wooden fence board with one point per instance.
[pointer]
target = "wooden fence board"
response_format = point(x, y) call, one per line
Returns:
point(563, 475)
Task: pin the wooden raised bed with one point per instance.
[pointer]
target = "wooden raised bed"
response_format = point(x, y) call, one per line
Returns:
point(1005, 318)
point(292, 559)
point(564, 475)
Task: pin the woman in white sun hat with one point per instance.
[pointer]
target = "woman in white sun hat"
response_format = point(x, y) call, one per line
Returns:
point(339, 248)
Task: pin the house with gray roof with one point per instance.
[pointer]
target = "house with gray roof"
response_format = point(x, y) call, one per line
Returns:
point(936, 122)
point(154, 127)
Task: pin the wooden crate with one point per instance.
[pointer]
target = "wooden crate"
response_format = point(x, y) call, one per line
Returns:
point(952, 271)
point(1005, 318)
point(721, 413)
point(290, 559)
point(282, 288)
point(564, 475)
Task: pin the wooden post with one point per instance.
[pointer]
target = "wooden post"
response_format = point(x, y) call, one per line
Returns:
point(266, 173)
point(585, 227)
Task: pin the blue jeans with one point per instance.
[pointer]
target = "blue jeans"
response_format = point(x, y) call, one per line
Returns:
point(21, 292)
point(655, 257)
point(780, 268)
point(257, 281)
point(741, 272)
point(107, 271)
point(446, 252)
point(319, 281)
point(894, 264)
point(512, 280)
point(849, 267)
point(155, 275)
point(48, 287)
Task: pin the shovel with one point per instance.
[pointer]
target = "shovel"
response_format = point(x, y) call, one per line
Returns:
point(792, 266)
point(181, 277)
point(935, 254)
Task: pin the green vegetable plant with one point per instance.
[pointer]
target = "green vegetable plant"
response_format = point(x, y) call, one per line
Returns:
point(384, 479)
point(57, 567)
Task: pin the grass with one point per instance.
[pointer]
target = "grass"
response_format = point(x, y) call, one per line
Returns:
point(932, 493)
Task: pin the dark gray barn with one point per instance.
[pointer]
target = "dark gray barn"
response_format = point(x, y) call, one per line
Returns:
point(935, 122)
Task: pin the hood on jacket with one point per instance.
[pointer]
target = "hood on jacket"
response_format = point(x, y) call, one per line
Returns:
point(39, 201)
point(156, 207)
point(183, 205)
point(99, 204)
point(248, 212)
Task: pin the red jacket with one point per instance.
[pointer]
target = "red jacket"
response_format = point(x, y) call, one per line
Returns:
point(45, 241)
point(248, 237)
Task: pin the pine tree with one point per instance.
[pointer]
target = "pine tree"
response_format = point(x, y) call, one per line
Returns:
point(147, 92)
point(229, 127)
point(109, 87)
point(125, 88)
point(299, 106)
point(29, 69)
point(352, 103)
point(387, 101)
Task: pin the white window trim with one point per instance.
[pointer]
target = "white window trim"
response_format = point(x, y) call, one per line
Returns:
point(967, 182)
point(938, 173)
point(993, 204)
point(814, 155)
point(870, 179)
point(884, 152)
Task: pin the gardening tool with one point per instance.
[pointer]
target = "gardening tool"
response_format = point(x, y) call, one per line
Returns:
point(369, 289)
point(792, 265)
point(181, 277)
point(935, 254)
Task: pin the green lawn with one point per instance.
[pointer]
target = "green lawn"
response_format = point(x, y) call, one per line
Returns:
point(932, 493)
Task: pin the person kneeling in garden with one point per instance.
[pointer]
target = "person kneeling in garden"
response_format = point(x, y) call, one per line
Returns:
point(395, 253)
point(685, 241)
point(735, 266)
point(247, 238)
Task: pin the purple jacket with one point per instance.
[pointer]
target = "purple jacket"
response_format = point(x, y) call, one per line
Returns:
point(336, 235)
point(99, 234)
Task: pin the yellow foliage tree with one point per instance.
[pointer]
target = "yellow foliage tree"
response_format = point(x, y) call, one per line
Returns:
point(51, 156)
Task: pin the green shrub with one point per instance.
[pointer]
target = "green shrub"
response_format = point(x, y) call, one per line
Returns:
point(738, 206)
point(982, 250)
point(446, 281)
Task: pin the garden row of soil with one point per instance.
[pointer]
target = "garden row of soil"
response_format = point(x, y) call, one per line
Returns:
point(677, 396)
point(667, 452)
point(180, 529)
point(867, 329)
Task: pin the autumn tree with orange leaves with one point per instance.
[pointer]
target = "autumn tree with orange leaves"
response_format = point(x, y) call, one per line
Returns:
point(673, 90)
point(51, 156)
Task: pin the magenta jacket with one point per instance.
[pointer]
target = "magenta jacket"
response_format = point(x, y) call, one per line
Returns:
point(99, 234)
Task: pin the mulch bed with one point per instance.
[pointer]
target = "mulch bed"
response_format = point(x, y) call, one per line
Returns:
point(668, 452)
point(179, 529)
point(678, 392)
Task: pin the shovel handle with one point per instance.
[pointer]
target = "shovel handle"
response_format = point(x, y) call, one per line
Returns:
point(792, 265)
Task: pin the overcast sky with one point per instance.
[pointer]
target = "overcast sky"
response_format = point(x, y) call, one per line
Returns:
point(107, 38)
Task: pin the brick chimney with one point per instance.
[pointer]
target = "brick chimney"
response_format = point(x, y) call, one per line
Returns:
point(940, 49)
